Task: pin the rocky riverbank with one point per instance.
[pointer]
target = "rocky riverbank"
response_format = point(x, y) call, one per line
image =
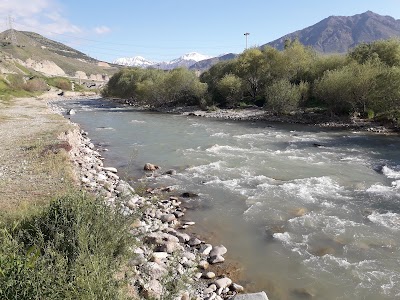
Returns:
point(255, 114)
point(167, 262)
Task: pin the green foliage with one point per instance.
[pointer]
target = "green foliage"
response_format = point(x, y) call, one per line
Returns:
point(230, 87)
point(250, 67)
point(70, 250)
point(387, 52)
point(349, 88)
point(386, 93)
point(156, 87)
point(364, 81)
point(60, 83)
point(283, 96)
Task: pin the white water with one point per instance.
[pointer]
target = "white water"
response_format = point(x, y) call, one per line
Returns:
point(297, 217)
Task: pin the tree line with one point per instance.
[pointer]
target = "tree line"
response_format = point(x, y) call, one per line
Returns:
point(365, 81)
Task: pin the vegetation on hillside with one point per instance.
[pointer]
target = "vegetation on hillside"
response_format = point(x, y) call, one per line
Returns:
point(366, 81)
point(18, 85)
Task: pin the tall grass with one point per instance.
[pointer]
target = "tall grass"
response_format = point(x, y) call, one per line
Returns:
point(70, 250)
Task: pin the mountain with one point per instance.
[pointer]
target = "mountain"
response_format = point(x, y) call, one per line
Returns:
point(137, 61)
point(338, 34)
point(33, 52)
point(208, 63)
point(186, 61)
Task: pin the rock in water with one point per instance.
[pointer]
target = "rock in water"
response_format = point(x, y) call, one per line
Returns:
point(150, 167)
point(71, 112)
point(253, 296)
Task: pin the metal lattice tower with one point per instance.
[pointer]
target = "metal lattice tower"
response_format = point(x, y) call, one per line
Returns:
point(12, 36)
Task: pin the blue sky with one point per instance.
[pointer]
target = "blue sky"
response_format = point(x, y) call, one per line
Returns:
point(162, 30)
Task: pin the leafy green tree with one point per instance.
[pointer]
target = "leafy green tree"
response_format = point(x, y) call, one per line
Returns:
point(212, 76)
point(386, 51)
point(386, 94)
point(251, 66)
point(282, 96)
point(230, 86)
point(348, 89)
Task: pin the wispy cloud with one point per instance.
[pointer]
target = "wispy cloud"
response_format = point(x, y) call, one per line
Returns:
point(102, 29)
point(42, 16)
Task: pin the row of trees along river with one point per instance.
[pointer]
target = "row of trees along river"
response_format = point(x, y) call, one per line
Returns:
point(366, 81)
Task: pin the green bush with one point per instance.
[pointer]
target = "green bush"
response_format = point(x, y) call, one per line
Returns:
point(71, 250)
point(60, 82)
point(282, 96)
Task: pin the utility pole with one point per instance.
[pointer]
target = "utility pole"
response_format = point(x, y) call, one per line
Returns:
point(13, 38)
point(246, 34)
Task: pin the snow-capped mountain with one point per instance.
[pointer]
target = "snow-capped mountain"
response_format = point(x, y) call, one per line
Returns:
point(137, 61)
point(184, 61)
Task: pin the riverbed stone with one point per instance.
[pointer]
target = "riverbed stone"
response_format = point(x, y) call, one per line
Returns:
point(110, 169)
point(218, 250)
point(205, 249)
point(194, 241)
point(216, 259)
point(209, 275)
point(150, 167)
point(237, 287)
point(153, 289)
point(253, 296)
point(167, 218)
point(223, 282)
point(203, 264)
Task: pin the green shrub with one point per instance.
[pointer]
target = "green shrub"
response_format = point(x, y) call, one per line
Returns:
point(71, 250)
point(60, 82)
point(36, 85)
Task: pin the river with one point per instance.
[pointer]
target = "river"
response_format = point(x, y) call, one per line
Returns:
point(306, 211)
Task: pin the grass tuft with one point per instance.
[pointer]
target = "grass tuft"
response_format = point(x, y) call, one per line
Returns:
point(71, 249)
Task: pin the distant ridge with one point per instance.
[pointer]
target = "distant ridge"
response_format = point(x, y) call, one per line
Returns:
point(35, 52)
point(338, 34)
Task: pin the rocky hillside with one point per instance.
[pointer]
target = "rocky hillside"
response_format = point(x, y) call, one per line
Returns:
point(337, 34)
point(37, 53)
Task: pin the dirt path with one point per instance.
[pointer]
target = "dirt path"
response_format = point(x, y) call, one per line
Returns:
point(33, 166)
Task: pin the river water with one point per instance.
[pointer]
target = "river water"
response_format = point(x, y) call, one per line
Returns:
point(300, 218)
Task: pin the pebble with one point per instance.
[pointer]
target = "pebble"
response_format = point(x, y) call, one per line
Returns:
point(209, 275)
point(204, 265)
point(218, 250)
point(223, 282)
point(194, 241)
point(216, 259)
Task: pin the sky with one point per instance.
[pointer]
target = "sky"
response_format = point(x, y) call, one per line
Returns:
point(161, 30)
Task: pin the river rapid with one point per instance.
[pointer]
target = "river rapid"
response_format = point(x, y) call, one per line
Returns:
point(304, 210)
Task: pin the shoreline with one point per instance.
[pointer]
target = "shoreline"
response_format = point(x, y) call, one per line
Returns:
point(258, 114)
point(161, 225)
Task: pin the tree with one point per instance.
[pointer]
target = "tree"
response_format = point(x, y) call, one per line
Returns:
point(282, 96)
point(386, 94)
point(349, 88)
point(387, 52)
point(251, 66)
point(230, 86)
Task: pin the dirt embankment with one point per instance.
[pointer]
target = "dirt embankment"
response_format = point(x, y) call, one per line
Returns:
point(33, 165)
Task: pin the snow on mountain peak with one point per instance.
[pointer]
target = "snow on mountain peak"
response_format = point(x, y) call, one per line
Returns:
point(185, 60)
point(194, 56)
point(137, 61)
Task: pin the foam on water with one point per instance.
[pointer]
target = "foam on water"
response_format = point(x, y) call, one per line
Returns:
point(389, 219)
point(137, 122)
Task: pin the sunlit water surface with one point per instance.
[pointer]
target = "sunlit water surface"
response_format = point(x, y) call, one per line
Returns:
point(299, 218)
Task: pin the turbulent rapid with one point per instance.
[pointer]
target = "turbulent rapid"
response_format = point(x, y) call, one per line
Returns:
point(307, 212)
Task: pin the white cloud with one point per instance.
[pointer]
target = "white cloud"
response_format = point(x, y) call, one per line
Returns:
point(102, 29)
point(41, 16)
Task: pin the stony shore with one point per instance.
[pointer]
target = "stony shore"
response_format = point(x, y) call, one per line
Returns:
point(259, 114)
point(167, 261)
